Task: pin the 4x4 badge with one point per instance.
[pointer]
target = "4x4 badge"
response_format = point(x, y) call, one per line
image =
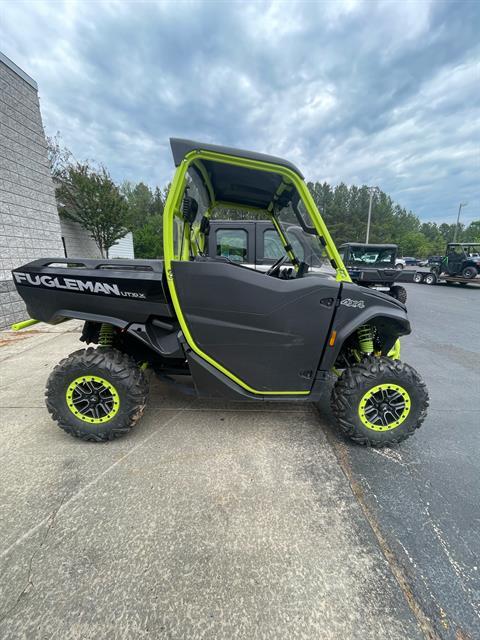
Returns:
point(358, 304)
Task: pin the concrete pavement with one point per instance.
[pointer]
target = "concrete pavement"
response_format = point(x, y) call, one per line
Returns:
point(207, 521)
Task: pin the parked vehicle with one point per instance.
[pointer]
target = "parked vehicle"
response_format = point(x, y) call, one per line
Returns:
point(460, 265)
point(237, 333)
point(431, 260)
point(373, 265)
point(256, 244)
point(461, 259)
point(406, 261)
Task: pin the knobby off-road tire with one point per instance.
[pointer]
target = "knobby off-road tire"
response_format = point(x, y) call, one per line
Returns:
point(470, 272)
point(390, 377)
point(399, 293)
point(96, 394)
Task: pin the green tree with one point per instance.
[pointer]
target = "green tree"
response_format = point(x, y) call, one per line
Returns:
point(89, 197)
point(59, 157)
point(157, 203)
point(140, 201)
point(148, 239)
point(472, 232)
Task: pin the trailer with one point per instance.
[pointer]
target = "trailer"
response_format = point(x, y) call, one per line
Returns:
point(430, 277)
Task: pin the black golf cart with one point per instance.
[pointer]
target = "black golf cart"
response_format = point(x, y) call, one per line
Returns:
point(373, 265)
point(237, 333)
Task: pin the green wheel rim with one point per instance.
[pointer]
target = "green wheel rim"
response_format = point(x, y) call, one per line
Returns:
point(92, 399)
point(384, 407)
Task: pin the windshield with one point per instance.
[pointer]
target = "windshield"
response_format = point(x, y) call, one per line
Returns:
point(371, 256)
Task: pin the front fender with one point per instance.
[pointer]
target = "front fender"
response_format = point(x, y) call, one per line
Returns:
point(358, 306)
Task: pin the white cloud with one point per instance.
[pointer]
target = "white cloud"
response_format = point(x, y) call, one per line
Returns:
point(363, 92)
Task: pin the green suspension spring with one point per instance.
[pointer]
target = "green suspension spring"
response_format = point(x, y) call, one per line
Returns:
point(105, 337)
point(365, 338)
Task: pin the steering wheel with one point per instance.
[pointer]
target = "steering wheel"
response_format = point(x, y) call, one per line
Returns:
point(275, 268)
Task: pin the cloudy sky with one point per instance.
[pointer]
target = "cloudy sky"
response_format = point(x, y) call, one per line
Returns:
point(382, 93)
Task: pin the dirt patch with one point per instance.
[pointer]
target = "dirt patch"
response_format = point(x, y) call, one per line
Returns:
point(9, 338)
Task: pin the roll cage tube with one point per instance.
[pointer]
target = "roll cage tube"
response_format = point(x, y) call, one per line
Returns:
point(172, 206)
point(172, 209)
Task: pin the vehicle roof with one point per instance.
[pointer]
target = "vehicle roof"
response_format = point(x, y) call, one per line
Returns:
point(369, 246)
point(463, 244)
point(180, 148)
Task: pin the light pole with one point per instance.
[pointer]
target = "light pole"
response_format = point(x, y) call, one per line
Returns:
point(372, 191)
point(462, 204)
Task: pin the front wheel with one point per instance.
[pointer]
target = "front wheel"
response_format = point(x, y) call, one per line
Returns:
point(399, 293)
point(379, 401)
point(96, 394)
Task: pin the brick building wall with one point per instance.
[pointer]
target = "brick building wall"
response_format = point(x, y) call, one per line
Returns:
point(29, 222)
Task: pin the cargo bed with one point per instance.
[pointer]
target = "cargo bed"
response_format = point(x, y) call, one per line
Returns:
point(120, 292)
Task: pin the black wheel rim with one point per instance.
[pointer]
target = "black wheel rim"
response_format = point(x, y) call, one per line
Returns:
point(92, 399)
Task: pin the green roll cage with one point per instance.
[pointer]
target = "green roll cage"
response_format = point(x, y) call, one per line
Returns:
point(193, 240)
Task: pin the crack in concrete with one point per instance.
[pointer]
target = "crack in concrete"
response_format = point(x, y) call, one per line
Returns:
point(87, 486)
point(29, 582)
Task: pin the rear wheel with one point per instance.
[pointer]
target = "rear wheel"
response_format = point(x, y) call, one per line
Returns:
point(96, 394)
point(399, 266)
point(399, 293)
point(470, 272)
point(379, 401)
point(430, 278)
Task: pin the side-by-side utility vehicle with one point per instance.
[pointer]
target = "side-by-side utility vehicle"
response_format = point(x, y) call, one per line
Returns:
point(460, 265)
point(461, 259)
point(373, 265)
point(238, 333)
point(256, 244)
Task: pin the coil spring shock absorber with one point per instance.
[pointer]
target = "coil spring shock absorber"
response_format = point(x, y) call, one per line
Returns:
point(105, 337)
point(365, 338)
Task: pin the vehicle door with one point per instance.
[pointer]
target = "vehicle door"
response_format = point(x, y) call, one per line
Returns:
point(267, 331)
point(455, 257)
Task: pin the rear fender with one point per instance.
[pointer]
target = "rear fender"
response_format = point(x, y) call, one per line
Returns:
point(160, 337)
point(70, 314)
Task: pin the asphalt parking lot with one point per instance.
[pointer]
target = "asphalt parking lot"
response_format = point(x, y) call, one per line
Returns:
point(232, 521)
point(424, 496)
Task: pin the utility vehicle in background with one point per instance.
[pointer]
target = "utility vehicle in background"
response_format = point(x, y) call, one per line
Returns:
point(459, 265)
point(256, 244)
point(237, 333)
point(374, 265)
point(461, 259)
